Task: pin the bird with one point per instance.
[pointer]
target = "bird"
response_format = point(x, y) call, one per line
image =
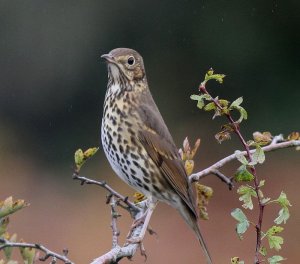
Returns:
point(137, 142)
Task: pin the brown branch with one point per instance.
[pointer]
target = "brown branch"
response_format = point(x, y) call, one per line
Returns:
point(4, 243)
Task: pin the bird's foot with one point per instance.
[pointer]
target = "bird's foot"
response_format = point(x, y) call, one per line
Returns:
point(136, 223)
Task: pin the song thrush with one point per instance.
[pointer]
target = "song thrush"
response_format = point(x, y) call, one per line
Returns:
point(137, 142)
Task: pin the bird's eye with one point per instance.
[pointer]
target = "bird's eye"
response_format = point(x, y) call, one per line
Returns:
point(131, 60)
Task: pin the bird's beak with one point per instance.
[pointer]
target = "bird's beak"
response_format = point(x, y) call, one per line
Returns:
point(108, 58)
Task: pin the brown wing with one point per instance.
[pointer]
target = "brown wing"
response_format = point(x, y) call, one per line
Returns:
point(160, 146)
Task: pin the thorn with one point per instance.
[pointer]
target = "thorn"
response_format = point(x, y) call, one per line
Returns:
point(143, 251)
point(152, 231)
point(65, 252)
point(108, 198)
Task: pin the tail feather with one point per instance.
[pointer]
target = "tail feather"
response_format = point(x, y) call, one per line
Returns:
point(190, 218)
point(203, 244)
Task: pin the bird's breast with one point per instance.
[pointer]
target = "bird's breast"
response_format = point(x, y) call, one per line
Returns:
point(127, 156)
point(119, 135)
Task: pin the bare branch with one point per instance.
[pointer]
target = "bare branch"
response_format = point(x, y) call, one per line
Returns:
point(103, 184)
point(223, 178)
point(129, 248)
point(114, 217)
point(48, 253)
point(215, 167)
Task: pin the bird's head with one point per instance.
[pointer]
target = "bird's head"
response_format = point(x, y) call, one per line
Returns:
point(125, 62)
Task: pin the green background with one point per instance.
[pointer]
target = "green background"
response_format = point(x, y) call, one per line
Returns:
point(52, 88)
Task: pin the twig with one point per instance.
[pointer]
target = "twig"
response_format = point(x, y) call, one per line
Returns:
point(128, 249)
point(4, 243)
point(223, 178)
point(125, 200)
point(114, 217)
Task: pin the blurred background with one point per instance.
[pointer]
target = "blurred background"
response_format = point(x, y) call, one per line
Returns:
point(52, 90)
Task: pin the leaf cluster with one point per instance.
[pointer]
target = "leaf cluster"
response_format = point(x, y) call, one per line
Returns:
point(80, 156)
point(7, 208)
point(251, 187)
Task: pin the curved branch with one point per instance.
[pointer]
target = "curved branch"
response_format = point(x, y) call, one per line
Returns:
point(85, 180)
point(211, 170)
point(48, 253)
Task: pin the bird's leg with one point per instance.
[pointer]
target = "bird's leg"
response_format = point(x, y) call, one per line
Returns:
point(138, 221)
point(145, 219)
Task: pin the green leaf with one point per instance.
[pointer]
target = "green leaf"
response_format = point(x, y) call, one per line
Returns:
point(28, 255)
point(284, 213)
point(240, 157)
point(263, 251)
point(8, 206)
point(207, 97)
point(261, 183)
point(236, 102)
point(236, 260)
point(210, 106)
point(283, 216)
point(243, 112)
point(79, 158)
point(200, 104)
point(275, 259)
point(243, 175)
point(258, 156)
point(200, 99)
point(8, 250)
point(243, 223)
point(236, 105)
point(246, 193)
point(283, 201)
point(196, 97)
point(274, 241)
point(223, 102)
point(211, 76)
point(3, 225)
point(265, 201)
point(274, 230)
point(90, 152)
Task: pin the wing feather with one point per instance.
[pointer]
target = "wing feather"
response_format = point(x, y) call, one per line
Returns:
point(159, 144)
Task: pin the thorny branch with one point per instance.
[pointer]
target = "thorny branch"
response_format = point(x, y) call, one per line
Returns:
point(114, 217)
point(139, 210)
point(4, 243)
point(236, 129)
